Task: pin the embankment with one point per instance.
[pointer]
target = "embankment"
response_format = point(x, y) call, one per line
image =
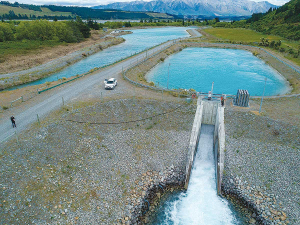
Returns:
point(138, 74)
point(44, 70)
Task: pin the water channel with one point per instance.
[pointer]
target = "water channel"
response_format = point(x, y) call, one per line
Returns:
point(200, 204)
point(229, 69)
point(139, 40)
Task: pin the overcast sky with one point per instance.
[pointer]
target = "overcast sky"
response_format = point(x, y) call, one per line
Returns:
point(101, 2)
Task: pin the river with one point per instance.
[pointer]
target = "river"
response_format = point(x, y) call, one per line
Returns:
point(139, 40)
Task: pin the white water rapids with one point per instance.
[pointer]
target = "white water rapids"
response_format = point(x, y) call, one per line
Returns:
point(201, 204)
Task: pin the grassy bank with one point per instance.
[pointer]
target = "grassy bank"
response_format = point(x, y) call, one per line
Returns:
point(288, 49)
point(56, 65)
point(25, 47)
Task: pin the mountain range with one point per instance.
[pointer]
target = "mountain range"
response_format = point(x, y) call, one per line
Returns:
point(194, 7)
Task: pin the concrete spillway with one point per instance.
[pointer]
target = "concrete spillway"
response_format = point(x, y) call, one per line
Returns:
point(201, 204)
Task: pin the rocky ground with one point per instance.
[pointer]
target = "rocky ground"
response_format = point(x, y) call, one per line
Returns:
point(88, 164)
point(262, 162)
point(84, 165)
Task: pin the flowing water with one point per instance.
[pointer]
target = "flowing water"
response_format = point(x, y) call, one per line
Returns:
point(229, 69)
point(200, 204)
point(139, 40)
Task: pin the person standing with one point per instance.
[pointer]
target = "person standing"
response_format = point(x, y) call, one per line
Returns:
point(222, 100)
point(209, 95)
point(13, 121)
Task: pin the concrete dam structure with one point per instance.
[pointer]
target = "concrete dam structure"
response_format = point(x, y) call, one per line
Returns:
point(201, 203)
point(209, 112)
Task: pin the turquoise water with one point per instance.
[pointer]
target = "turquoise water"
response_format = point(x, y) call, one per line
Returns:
point(229, 69)
point(139, 40)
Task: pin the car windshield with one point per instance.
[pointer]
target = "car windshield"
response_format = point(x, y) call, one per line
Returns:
point(109, 82)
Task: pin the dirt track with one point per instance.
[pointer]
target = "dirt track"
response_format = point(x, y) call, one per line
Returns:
point(51, 100)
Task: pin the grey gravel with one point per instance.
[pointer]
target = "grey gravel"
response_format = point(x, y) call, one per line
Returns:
point(262, 161)
point(62, 171)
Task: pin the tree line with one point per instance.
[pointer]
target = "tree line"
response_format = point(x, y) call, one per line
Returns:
point(12, 16)
point(63, 31)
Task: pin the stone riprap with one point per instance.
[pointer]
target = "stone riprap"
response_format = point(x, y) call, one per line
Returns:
point(262, 167)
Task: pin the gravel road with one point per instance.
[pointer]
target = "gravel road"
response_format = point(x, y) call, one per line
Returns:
point(52, 100)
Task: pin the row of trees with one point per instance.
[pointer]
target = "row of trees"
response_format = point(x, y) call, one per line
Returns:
point(12, 16)
point(64, 31)
point(158, 22)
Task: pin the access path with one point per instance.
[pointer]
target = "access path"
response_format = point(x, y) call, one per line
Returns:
point(52, 100)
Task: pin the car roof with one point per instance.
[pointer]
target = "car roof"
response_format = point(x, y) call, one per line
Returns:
point(111, 79)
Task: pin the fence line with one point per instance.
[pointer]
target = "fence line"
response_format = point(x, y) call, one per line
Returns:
point(30, 95)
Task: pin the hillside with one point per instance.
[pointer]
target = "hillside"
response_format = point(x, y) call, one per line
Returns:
point(24, 11)
point(198, 8)
point(283, 21)
point(9, 12)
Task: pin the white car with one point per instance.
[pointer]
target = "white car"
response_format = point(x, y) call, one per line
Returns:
point(110, 83)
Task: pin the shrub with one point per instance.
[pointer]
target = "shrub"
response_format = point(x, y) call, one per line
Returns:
point(151, 84)
point(4, 107)
point(175, 94)
point(291, 51)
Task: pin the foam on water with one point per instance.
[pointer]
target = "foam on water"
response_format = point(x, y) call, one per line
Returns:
point(229, 69)
point(200, 204)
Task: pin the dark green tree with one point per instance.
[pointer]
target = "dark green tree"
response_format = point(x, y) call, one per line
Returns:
point(83, 28)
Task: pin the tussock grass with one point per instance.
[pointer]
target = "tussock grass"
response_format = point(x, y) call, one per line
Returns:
point(24, 47)
point(245, 36)
point(239, 34)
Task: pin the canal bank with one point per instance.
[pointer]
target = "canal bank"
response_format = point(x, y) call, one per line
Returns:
point(136, 42)
point(47, 69)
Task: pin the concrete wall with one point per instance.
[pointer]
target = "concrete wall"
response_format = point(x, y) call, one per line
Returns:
point(194, 139)
point(219, 146)
point(210, 109)
point(208, 112)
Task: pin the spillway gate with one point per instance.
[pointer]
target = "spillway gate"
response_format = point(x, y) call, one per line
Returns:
point(212, 113)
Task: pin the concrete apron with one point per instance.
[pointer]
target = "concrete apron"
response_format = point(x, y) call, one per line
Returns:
point(211, 113)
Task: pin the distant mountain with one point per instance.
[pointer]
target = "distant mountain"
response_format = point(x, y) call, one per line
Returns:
point(194, 7)
point(25, 11)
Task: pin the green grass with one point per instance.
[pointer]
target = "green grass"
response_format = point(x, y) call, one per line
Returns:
point(24, 47)
point(4, 9)
point(239, 34)
point(245, 35)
